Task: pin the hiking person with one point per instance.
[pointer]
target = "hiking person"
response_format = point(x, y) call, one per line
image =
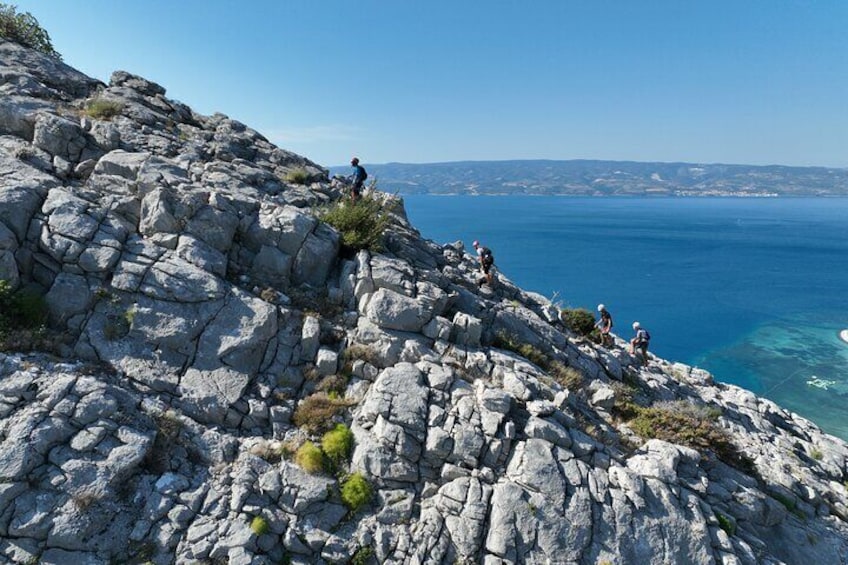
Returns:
point(640, 342)
point(486, 262)
point(604, 325)
point(357, 179)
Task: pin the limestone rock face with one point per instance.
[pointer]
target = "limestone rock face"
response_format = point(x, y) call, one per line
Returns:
point(212, 325)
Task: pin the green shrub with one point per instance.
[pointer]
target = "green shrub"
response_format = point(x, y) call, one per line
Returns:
point(338, 443)
point(21, 309)
point(567, 377)
point(533, 354)
point(101, 109)
point(356, 492)
point(315, 413)
point(23, 318)
point(297, 176)
point(686, 424)
point(578, 320)
point(362, 556)
point(24, 29)
point(259, 526)
point(726, 523)
point(362, 224)
point(309, 457)
point(361, 352)
point(816, 454)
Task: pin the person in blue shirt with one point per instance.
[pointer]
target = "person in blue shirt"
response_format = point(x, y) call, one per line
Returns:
point(357, 179)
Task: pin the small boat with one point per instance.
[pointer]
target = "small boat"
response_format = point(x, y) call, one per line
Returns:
point(843, 335)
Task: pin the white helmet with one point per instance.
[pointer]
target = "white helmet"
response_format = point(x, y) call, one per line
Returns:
point(636, 325)
point(601, 307)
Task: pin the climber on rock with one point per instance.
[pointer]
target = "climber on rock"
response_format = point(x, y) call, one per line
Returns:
point(604, 325)
point(640, 342)
point(487, 261)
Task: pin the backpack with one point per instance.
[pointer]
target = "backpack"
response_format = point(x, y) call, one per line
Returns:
point(364, 173)
point(487, 256)
point(644, 335)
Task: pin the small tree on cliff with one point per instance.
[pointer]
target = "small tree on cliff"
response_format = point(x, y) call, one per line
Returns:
point(24, 29)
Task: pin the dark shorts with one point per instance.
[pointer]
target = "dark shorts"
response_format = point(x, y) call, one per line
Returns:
point(487, 265)
point(356, 189)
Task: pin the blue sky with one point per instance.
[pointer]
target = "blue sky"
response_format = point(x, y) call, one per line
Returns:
point(730, 81)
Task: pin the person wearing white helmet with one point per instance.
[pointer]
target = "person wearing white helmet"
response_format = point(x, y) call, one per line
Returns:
point(640, 342)
point(487, 260)
point(604, 325)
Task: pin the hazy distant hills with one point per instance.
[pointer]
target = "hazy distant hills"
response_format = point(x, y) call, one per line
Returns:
point(606, 178)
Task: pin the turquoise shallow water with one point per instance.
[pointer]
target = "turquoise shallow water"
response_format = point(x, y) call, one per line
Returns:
point(753, 290)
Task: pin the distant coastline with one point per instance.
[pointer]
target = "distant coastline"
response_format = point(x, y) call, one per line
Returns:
point(606, 178)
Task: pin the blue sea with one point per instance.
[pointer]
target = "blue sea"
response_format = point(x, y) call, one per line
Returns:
point(752, 289)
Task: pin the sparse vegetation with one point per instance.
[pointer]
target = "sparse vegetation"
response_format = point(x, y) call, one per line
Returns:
point(297, 176)
point(21, 308)
point(23, 319)
point(168, 430)
point(333, 385)
point(680, 422)
point(726, 523)
point(356, 492)
point(510, 343)
point(362, 556)
point(362, 224)
point(315, 413)
point(816, 454)
point(259, 526)
point(118, 324)
point(24, 29)
point(567, 377)
point(310, 458)
point(360, 352)
point(102, 109)
point(578, 320)
point(683, 423)
point(338, 443)
point(84, 500)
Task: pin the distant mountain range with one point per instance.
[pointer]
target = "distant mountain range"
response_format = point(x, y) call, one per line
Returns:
point(605, 178)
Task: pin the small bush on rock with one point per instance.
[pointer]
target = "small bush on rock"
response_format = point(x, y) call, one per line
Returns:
point(511, 343)
point(361, 225)
point(578, 320)
point(362, 556)
point(567, 377)
point(101, 109)
point(686, 424)
point(356, 492)
point(24, 29)
point(23, 318)
point(315, 413)
point(297, 176)
point(338, 443)
point(310, 458)
point(726, 523)
point(259, 526)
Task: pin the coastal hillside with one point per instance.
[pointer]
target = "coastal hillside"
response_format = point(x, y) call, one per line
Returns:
point(230, 375)
point(608, 178)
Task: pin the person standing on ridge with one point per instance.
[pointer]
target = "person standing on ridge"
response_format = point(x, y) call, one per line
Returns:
point(486, 262)
point(357, 178)
point(640, 342)
point(604, 326)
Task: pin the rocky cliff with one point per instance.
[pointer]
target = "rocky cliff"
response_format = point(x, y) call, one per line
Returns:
point(213, 325)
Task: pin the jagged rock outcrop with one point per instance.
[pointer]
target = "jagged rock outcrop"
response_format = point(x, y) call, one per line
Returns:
point(205, 304)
